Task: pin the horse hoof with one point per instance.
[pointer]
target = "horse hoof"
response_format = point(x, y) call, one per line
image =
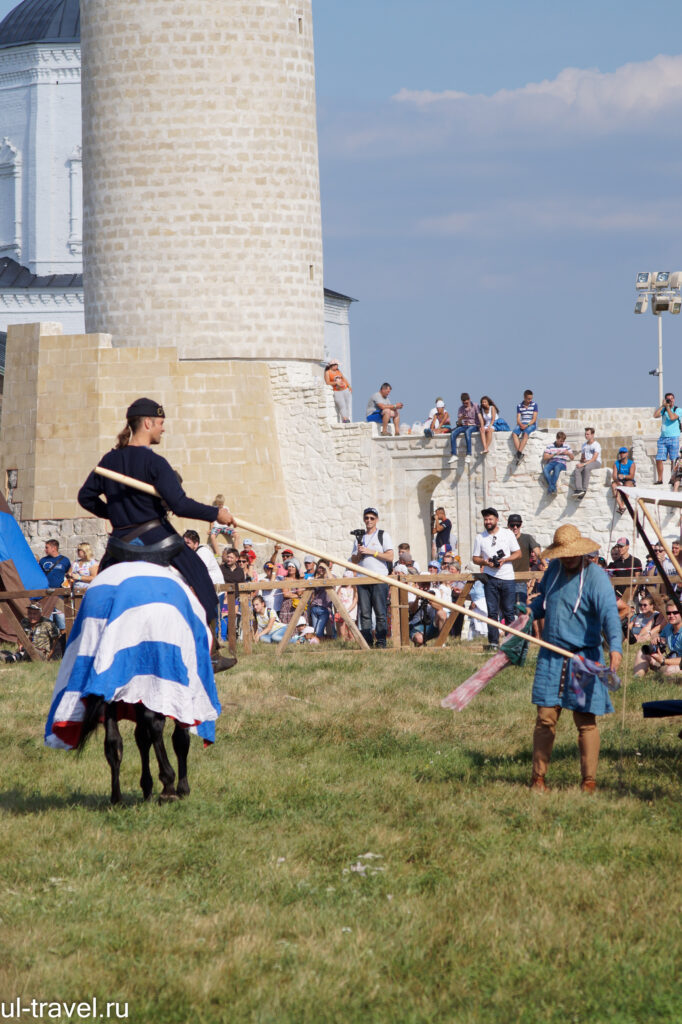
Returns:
point(168, 798)
point(183, 788)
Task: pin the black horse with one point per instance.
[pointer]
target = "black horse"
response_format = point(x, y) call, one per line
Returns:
point(148, 733)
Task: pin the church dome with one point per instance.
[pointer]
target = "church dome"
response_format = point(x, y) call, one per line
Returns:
point(42, 21)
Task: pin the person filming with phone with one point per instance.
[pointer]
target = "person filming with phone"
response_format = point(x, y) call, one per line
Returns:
point(495, 548)
point(669, 439)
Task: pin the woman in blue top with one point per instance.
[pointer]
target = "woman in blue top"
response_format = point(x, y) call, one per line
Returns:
point(576, 603)
point(623, 476)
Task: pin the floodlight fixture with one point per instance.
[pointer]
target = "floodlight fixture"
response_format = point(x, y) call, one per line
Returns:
point(676, 280)
point(662, 279)
point(675, 305)
point(660, 304)
point(642, 304)
point(643, 281)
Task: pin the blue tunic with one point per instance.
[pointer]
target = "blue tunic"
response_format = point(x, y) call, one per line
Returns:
point(579, 631)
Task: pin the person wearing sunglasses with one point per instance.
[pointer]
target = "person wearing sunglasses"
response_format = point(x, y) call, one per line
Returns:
point(664, 653)
point(375, 552)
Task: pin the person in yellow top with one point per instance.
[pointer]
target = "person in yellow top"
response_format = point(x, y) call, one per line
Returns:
point(341, 388)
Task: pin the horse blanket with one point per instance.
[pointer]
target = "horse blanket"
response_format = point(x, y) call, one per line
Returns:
point(140, 636)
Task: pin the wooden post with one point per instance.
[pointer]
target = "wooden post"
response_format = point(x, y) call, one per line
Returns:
point(33, 652)
point(395, 617)
point(232, 621)
point(298, 611)
point(404, 619)
point(247, 623)
point(452, 617)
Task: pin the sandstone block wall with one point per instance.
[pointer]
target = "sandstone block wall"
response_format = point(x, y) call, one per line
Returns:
point(65, 403)
point(201, 185)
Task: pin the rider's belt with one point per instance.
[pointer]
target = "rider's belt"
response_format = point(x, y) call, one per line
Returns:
point(161, 553)
point(141, 528)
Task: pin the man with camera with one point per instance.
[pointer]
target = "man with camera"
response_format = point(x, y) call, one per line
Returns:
point(495, 549)
point(373, 549)
point(664, 653)
point(669, 439)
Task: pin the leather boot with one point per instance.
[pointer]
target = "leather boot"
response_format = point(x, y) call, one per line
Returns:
point(543, 742)
point(588, 744)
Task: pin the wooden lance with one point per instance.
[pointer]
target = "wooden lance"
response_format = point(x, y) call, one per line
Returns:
point(248, 527)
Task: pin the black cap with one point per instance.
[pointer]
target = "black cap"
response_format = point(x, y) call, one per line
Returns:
point(490, 512)
point(145, 407)
point(514, 519)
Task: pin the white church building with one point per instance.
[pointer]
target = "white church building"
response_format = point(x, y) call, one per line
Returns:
point(41, 195)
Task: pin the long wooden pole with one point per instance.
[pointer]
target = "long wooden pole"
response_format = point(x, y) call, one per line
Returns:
point(253, 528)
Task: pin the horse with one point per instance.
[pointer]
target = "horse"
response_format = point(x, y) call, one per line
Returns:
point(139, 649)
point(149, 726)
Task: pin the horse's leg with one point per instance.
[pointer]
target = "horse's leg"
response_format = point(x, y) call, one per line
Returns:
point(181, 748)
point(113, 750)
point(144, 742)
point(156, 723)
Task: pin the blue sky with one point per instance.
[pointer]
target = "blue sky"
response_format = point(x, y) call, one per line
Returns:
point(493, 176)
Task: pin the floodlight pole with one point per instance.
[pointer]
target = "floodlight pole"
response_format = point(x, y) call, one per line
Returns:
point(660, 359)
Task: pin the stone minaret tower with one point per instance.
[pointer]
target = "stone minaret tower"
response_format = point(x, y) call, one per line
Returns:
point(201, 189)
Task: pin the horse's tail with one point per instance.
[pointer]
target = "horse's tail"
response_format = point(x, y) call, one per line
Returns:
point(94, 708)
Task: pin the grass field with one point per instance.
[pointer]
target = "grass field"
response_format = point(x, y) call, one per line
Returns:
point(350, 853)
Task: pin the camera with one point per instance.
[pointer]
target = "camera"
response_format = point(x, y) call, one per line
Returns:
point(657, 647)
point(358, 534)
point(495, 559)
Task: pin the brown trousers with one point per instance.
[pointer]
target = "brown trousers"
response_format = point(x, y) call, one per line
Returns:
point(543, 741)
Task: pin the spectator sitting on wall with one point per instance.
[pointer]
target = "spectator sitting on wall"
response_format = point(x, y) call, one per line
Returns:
point(590, 458)
point(469, 422)
point(676, 477)
point(489, 414)
point(341, 389)
point(380, 410)
point(669, 439)
point(665, 651)
point(554, 461)
point(526, 423)
point(623, 475)
point(438, 421)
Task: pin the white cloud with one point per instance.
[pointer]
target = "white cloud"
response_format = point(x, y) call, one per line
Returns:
point(571, 215)
point(589, 97)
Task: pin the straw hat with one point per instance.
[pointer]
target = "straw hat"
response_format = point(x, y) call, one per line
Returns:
point(568, 543)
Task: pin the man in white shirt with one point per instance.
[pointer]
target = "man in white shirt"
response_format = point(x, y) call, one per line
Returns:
point(495, 549)
point(191, 539)
point(590, 458)
point(374, 552)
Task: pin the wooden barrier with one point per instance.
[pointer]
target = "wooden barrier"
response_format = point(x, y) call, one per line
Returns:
point(70, 602)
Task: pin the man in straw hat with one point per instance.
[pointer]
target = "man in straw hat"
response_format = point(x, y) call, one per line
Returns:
point(577, 603)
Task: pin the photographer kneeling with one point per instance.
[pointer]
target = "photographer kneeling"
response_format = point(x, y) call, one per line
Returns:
point(665, 651)
point(373, 549)
point(426, 619)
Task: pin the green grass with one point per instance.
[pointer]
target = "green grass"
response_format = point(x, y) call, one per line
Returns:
point(485, 903)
